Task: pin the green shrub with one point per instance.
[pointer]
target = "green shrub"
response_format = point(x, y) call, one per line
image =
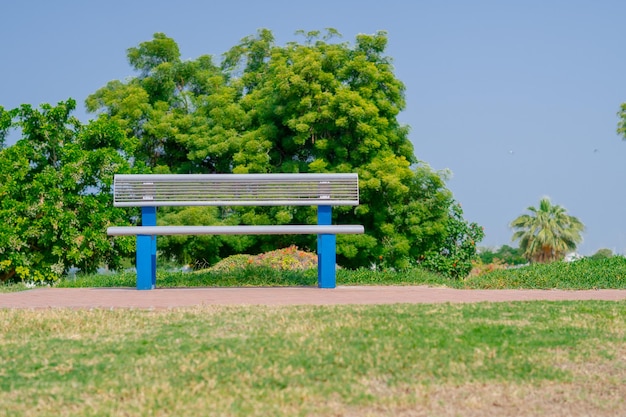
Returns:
point(231, 263)
point(481, 268)
point(602, 254)
point(458, 252)
point(505, 253)
point(582, 274)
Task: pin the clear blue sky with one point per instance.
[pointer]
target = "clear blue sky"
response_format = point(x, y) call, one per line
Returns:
point(517, 98)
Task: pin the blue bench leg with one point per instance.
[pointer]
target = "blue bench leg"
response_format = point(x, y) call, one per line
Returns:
point(146, 252)
point(326, 251)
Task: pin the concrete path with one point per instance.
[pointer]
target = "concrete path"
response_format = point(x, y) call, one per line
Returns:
point(187, 297)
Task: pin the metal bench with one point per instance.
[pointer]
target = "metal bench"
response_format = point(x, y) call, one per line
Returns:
point(150, 191)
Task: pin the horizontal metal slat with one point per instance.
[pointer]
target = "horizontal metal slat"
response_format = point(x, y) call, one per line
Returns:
point(238, 177)
point(173, 203)
point(235, 230)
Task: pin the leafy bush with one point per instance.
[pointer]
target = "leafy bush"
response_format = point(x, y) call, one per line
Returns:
point(290, 258)
point(480, 268)
point(55, 199)
point(583, 274)
point(505, 253)
point(602, 254)
point(230, 264)
point(455, 257)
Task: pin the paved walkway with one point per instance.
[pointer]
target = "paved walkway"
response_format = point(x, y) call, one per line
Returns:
point(187, 297)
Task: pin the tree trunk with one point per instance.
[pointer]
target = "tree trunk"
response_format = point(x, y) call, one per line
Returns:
point(4, 277)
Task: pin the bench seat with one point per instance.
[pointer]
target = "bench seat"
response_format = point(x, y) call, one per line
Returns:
point(150, 191)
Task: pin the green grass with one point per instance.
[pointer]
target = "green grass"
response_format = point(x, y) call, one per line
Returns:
point(12, 287)
point(258, 276)
point(521, 358)
point(583, 274)
point(579, 275)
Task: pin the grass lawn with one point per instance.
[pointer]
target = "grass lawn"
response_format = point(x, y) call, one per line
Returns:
point(484, 359)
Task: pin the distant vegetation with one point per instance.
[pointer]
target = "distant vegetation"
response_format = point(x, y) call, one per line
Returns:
point(603, 253)
point(319, 105)
point(504, 254)
point(585, 273)
point(547, 233)
point(243, 271)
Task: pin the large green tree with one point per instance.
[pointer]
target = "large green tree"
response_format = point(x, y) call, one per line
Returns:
point(55, 200)
point(183, 113)
point(548, 233)
point(314, 106)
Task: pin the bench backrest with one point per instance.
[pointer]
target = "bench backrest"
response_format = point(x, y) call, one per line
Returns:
point(152, 190)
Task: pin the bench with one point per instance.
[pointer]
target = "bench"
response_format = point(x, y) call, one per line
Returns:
point(150, 191)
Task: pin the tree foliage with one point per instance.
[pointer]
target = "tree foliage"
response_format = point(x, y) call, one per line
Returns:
point(603, 253)
point(548, 233)
point(314, 106)
point(55, 201)
point(505, 253)
point(621, 124)
point(453, 257)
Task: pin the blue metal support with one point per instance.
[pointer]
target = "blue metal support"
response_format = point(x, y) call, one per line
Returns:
point(326, 252)
point(146, 252)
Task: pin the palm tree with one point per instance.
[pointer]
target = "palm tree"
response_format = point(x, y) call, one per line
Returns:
point(548, 233)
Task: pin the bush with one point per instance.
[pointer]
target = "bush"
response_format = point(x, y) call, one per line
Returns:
point(458, 252)
point(505, 253)
point(480, 268)
point(602, 254)
point(290, 258)
point(583, 274)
